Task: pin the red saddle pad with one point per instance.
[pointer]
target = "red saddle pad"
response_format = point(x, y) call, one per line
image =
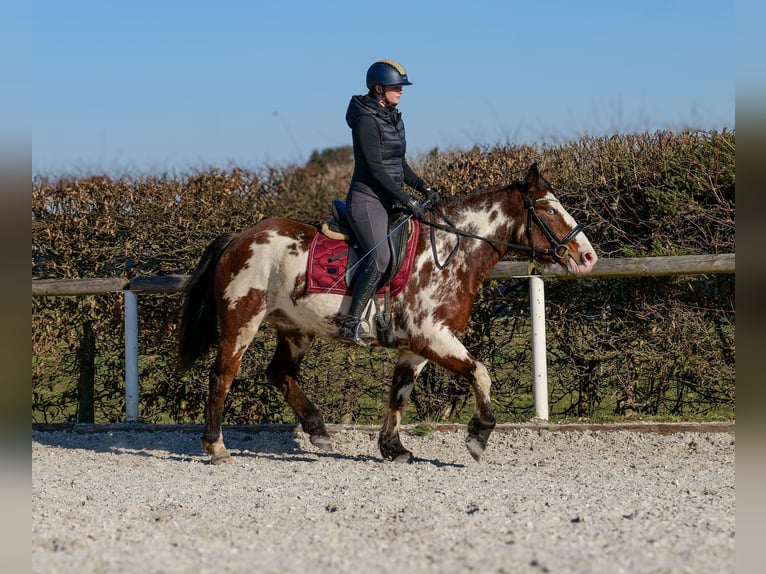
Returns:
point(328, 262)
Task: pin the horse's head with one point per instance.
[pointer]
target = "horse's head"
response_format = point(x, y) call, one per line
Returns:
point(550, 230)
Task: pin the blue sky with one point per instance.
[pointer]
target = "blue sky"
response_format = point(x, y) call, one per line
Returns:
point(150, 86)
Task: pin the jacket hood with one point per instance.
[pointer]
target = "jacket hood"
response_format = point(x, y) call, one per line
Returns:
point(367, 105)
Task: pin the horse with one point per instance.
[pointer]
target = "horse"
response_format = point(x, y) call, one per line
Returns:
point(259, 275)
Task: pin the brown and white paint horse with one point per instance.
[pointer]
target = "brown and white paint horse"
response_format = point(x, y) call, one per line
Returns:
point(259, 275)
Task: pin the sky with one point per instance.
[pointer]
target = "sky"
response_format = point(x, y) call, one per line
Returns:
point(151, 86)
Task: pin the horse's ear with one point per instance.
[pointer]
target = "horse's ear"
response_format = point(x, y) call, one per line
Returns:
point(533, 176)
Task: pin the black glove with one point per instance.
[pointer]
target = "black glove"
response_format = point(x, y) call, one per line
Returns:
point(415, 209)
point(433, 196)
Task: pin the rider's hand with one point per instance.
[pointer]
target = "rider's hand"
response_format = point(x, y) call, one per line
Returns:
point(415, 209)
point(433, 197)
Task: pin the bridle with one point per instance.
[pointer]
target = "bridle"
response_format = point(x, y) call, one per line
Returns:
point(559, 246)
point(558, 249)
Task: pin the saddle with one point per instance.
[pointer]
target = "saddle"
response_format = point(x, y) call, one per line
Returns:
point(334, 256)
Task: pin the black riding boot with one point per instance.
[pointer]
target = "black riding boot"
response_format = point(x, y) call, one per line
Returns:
point(365, 285)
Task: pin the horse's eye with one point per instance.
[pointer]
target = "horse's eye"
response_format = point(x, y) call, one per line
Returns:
point(550, 211)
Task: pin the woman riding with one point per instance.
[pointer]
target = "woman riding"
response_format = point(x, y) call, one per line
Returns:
point(380, 170)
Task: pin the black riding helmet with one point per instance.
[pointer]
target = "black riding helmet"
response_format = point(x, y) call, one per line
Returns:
point(387, 73)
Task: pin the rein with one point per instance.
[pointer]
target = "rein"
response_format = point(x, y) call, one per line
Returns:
point(558, 246)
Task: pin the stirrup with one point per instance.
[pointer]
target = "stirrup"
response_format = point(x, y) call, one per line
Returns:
point(349, 332)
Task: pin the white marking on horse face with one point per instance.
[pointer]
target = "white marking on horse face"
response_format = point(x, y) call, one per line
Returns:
point(565, 215)
point(588, 255)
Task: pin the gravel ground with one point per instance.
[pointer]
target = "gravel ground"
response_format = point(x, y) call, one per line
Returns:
point(540, 501)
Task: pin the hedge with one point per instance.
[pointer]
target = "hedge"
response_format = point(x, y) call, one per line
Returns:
point(627, 348)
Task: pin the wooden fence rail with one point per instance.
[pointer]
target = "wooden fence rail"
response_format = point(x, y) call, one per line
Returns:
point(617, 267)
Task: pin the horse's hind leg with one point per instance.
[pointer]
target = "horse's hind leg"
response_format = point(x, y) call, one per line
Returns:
point(282, 372)
point(221, 376)
point(237, 331)
point(407, 369)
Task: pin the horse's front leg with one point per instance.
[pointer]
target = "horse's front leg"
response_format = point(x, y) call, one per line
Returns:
point(461, 362)
point(407, 369)
point(483, 421)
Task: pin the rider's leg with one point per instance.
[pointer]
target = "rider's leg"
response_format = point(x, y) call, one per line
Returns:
point(366, 284)
point(369, 220)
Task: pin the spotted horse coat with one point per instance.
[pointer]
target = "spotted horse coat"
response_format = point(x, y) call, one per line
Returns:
point(259, 276)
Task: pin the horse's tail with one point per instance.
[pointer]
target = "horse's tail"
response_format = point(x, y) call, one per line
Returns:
point(199, 321)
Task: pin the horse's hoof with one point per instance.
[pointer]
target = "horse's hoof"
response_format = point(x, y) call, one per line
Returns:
point(474, 447)
point(392, 449)
point(405, 457)
point(321, 441)
point(220, 458)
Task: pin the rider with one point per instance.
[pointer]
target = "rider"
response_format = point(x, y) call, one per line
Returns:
point(380, 170)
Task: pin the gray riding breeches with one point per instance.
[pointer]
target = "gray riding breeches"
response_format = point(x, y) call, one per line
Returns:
point(368, 218)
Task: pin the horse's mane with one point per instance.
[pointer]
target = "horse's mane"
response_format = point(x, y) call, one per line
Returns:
point(459, 200)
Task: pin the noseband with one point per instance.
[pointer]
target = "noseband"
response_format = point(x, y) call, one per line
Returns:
point(559, 246)
point(558, 249)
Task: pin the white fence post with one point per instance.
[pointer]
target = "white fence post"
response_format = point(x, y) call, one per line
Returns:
point(539, 360)
point(131, 356)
